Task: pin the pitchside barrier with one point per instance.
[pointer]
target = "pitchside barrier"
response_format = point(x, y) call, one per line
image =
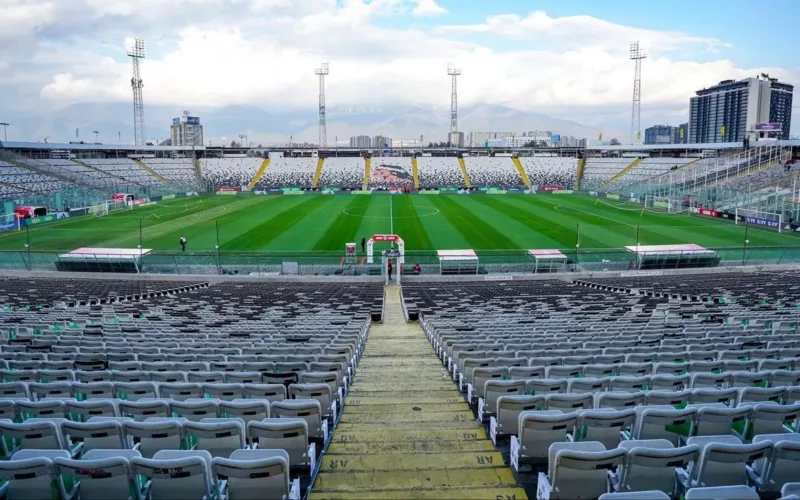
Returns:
point(212, 262)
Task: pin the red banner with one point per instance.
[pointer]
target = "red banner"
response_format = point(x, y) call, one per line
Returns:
point(385, 237)
point(550, 188)
point(710, 213)
point(227, 189)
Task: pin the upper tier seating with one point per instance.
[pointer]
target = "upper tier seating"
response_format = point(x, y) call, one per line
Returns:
point(124, 168)
point(390, 172)
point(437, 171)
point(230, 172)
point(647, 169)
point(492, 171)
point(550, 170)
point(288, 172)
point(21, 180)
point(345, 172)
point(173, 169)
point(598, 171)
point(85, 175)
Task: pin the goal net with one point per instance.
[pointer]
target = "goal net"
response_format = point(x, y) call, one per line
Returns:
point(99, 210)
point(770, 220)
point(662, 204)
point(10, 222)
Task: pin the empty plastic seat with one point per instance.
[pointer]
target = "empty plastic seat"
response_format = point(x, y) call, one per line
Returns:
point(194, 410)
point(30, 478)
point(155, 435)
point(176, 474)
point(739, 492)
point(107, 435)
point(537, 430)
point(107, 478)
point(289, 434)
point(577, 471)
point(718, 421)
point(508, 410)
point(145, 408)
point(318, 392)
point(32, 435)
point(652, 465)
point(604, 426)
point(723, 464)
point(255, 474)
point(245, 409)
point(219, 437)
point(662, 423)
point(780, 468)
point(307, 409)
point(619, 400)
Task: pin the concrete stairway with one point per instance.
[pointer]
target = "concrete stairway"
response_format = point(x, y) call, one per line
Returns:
point(406, 432)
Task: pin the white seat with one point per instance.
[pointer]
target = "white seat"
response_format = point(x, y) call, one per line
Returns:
point(577, 471)
point(780, 469)
point(134, 391)
point(569, 402)
point(772, 419)
point(32, 434)
point(495, 389)
point(723, 464)
point(180, 391)
point(144, 408)
point(270, 392)
point(105, 435)
point(244, 409)
point(307, 409)
point(218, 436)
point(317, 392)
point(604, 426)
point(537, 430)
point(630, 383)
point(46, 408)
point(668, 398)
point(290, 434)
point(589, 385)
point(108, 478)
point(618, 400)
point(84, 410)
point(255, 474)
point(718, 421)
point(195, 409)
point(28, 479)
point(185, 474)
point(739, 492)
point(651, 465)
point(662, 423)
point(153, 436)
point(546, 386)
point(224, 392)
point(508, 411)
point(635, 495)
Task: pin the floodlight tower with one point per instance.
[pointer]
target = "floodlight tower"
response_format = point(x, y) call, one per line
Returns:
point(323, 129)
point(637, 54)
point(135, 49)
point(454, 74)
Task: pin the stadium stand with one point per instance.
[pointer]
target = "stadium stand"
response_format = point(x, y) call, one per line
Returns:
point(26, 180)
point(345, 172)
point(85, 174)
point(773, 176)
point(666, 393)
point(492, 171)
point(439, 171)
point(230, 172)
point(550, 170)
point(173, 169)
point(241, 381)
point(288, 172)
point(599, 171)
point(123, 168)
point(646, 169)
point(391, 172)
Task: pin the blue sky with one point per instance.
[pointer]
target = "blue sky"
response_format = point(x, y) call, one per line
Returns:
point(761, 35)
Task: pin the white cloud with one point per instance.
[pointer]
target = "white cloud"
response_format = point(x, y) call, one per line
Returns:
point(428, 8)
point(213, 53)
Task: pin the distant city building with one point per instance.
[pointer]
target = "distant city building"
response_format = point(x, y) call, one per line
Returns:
point(666, 134)
point(186, 131)
point(361, 141)
point(381, 142)
point(731, 110)
point(568, 141)
point(456, 139)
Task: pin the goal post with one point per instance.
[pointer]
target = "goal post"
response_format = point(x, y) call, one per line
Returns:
point(662, 203)
point(10, 222)
point(769, 220)
point(99, 210)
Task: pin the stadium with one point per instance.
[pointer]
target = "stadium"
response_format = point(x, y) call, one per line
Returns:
point(517, 320)
point(561, 323)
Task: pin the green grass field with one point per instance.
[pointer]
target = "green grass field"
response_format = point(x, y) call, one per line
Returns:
point(318, 223)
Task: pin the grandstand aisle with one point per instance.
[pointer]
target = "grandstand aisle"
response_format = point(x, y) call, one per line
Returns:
point(406, 432)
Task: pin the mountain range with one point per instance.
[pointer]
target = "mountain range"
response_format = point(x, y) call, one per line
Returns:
point(113, 121)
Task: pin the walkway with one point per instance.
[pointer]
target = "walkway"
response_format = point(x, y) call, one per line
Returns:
point(406, 432)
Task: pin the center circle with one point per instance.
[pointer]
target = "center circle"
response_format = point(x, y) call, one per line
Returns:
point(348, 211)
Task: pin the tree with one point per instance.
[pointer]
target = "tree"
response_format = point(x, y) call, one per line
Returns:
point(615, 142)
point(233, 144)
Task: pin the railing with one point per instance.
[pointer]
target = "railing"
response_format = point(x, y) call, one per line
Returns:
point(332, 264)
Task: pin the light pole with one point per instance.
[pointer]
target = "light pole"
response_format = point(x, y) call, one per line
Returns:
point(241, 140)
point(95, 132)
point(5, 131)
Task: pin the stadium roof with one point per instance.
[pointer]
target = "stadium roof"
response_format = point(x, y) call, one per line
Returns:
point(93, 147)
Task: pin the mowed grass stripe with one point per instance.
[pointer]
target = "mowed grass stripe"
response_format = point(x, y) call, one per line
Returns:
point(343, 227)
point(408, 223)
point(259, 237)
point(556, 226)
point(478, 233)
point(442, 234)
point(542, 239)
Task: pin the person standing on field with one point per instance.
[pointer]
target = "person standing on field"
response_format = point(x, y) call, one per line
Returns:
point(389, 269)
point(183, 244)
point(363, 244)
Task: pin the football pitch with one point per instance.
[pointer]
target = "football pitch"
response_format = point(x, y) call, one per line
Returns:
point(488, 224)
